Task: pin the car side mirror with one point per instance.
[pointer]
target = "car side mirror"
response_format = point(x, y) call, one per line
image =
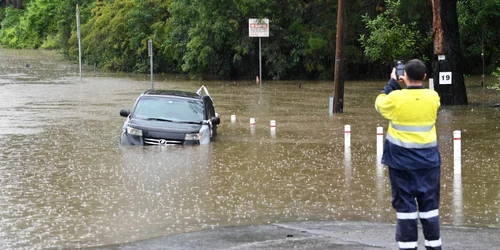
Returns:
point(124, 112)
point(215, 120)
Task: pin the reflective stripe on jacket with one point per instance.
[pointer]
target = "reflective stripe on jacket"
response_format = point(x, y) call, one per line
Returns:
point(411, 141)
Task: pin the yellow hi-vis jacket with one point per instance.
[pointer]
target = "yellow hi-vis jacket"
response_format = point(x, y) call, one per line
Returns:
point(411, 141)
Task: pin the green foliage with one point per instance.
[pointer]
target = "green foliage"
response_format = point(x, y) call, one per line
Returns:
point(497, 85)
point(314, 35)
point(116, 37)
point(317, 47)
point(8, 32)
point(51, 42)
point(209, 38)
point(2, 13)
point(103, 35)
point(32, 26)
point(478, 22)
point(389, 38)
point(43, 23)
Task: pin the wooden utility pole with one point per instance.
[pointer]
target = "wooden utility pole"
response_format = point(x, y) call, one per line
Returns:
point(338, 89)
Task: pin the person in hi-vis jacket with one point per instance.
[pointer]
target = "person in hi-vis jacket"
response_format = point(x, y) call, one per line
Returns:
point(412, 155)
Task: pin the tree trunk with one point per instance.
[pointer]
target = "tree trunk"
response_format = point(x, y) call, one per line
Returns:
point(447, 62)
point(19, 4)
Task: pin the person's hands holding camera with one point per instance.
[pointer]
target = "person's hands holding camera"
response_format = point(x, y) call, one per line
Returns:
point(399, 71)
point(393, 83)
point(398, 78)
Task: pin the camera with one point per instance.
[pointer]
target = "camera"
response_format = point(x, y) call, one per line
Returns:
point(399, 68)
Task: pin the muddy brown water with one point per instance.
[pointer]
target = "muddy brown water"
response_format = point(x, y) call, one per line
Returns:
point(65, 182)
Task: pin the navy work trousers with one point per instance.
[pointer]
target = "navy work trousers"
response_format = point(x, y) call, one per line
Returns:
point(415, 195)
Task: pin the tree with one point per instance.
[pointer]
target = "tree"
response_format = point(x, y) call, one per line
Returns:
point(395, 34)
point(447, 43)
point(17, 4)
point(209, 38)
point(480, 40)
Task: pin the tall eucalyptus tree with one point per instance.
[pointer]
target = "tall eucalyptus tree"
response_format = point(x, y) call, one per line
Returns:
point(448, 60)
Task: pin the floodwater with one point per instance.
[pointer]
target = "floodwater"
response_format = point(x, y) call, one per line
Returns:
point(65, 182)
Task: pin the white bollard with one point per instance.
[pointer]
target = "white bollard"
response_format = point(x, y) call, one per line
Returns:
point(380, 143)
point(272, 125)
point(252, 121)
point(347, 166)
point(431, 83)
point(457, 152)
point(347, 136)
point(233, 118)
point(347, 155)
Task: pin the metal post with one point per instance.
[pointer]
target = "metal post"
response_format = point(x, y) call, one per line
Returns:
point(260, 62)
point(330, 106)
point(482, 57)
point(79, 40)
point(150, 52)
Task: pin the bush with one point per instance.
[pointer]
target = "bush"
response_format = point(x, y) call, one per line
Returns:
point(497, 85)
point(9, 31)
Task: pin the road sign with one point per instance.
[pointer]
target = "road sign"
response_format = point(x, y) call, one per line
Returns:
point(258, 27)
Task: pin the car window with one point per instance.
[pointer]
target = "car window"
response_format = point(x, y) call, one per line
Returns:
point(170, 109)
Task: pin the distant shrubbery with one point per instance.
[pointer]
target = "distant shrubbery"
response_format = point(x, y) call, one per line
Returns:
point(210, 38)
point(38, 23)
point(496, 85)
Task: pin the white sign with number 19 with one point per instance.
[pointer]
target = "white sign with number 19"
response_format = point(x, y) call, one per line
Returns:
point(444, 77)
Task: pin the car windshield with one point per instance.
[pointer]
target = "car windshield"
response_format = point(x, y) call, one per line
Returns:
point(163, 108)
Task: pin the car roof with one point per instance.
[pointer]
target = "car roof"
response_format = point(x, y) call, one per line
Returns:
point(175, 93)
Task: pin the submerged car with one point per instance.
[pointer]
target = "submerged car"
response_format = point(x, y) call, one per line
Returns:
point(162, 117)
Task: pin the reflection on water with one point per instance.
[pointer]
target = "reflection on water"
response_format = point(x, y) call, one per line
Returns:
point(457, 199)
point(66, 183)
